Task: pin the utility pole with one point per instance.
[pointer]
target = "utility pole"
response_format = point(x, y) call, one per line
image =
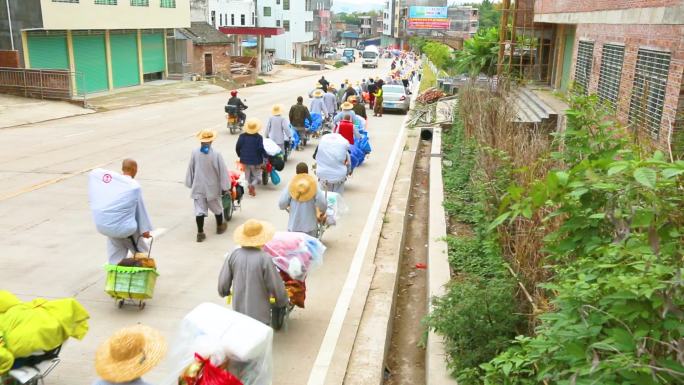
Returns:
point(9, 22)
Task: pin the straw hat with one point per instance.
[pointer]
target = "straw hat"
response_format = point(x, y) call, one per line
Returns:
point(318, 93)
point(352, 99)
point(302, 187)
point(346, 106)
point(253, 233)
point(206, 136)
point(277, 109)
point(252, 126)
point(129, 353)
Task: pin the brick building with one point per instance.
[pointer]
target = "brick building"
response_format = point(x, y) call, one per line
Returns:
point(629, 53)
point(210, 49)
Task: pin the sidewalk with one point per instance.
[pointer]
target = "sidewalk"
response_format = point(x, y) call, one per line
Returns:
point(17, 110)
point(151, 92)
point(283, 73)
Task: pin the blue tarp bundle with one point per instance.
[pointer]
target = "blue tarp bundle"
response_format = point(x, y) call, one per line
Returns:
point(315, 123)
point(363, 143)
point(294, 142)
point(360, 149)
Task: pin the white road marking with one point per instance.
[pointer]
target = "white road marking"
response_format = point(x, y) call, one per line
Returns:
point(78, 134)
point(332, 333)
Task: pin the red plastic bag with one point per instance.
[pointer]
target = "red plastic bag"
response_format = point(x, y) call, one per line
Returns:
point(212, 375)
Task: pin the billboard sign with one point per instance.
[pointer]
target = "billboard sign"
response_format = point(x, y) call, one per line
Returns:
point(428, 13)
point(428, 18)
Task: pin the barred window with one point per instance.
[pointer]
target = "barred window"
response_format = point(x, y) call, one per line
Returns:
point(286, 25)
point(168, 4)
point(611, 71)
point(140, 3)
point(105, 2)
point(286, 5)
point(585, 56)
point(267, 11)
point(648, 91)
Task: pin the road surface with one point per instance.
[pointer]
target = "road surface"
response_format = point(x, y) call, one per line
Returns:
point(50, 247)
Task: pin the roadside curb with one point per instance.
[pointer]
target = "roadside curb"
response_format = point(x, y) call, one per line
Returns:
point(436, 372)
point(366, 364)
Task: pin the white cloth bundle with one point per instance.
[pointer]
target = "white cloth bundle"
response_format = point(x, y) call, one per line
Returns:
point(113, 201)
point(271, 147)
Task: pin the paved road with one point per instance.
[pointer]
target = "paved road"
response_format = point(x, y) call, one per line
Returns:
point(51, 249)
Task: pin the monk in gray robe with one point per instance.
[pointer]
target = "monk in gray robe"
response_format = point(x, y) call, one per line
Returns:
point(208, 179)
point(249, 274)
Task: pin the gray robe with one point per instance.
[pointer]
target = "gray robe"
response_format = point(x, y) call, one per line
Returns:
point(277, 129)
point(330, 101)
point(318, 107)
point(254, 279)
point(207, 175)
point(302, 214)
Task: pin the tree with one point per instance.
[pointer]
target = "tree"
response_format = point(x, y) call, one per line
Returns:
point(490, 14)
point(479, 54)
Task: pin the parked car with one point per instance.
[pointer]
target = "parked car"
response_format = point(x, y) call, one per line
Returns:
point(395, 98)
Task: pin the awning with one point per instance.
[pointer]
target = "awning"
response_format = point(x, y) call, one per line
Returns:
point(256, 31)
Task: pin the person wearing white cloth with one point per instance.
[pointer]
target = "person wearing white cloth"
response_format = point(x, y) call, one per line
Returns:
point(277, 127)
point(317, 105)
point(118, 248)
point(333, 163)
point(208, 178)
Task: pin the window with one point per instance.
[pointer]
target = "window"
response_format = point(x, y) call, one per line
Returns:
point(286, 25)
point(648, 91)
point(610, 73)
point(105, 2)
point(307, 5)
point(267, 11)
point(232, 19)
point(286, 5)
point(242, 19)
point(308, 26)
point(168, 4)
point(253, 18)
point(140, 3)
point(65, 1)
point(220, 19)
point(585, 56)
point(277, 2)
point(277, 23)
point(213, 18)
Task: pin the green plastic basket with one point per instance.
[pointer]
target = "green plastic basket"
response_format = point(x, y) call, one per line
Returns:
point(124, 282)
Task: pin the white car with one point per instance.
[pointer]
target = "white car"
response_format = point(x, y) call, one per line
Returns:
point(395, 98)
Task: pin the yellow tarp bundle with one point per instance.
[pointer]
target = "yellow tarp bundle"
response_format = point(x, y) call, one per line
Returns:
point(27, 327)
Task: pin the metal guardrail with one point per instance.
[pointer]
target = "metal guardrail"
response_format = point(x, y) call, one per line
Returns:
point(41, 83)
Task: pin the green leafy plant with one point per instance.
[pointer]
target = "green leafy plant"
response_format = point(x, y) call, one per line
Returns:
point(479, 53)
point(618, 313)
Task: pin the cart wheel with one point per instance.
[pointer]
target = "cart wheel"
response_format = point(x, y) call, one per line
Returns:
point(120, 303)
point(264, 177)
point(319, 231)
point(278, 317)
point(141, 305)
point(228, 209)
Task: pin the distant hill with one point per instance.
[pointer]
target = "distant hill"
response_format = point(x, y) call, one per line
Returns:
point(356, 6)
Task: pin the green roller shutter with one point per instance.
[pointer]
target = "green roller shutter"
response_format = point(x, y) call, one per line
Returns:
point(48, 51)
point(153, 52)
point(91, 62)
point(124, 59)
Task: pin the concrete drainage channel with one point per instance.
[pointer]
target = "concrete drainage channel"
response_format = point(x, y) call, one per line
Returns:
point(405, 362)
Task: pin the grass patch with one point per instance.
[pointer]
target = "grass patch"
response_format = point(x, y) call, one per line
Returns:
point(260, 81)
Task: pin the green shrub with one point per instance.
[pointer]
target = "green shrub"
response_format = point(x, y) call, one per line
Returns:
point(477, 317)
point(618, 313)
point(340, 64)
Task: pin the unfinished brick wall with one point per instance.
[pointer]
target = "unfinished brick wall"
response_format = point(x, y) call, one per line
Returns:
point(219, 54)
point(667, 38)
point(556, 6)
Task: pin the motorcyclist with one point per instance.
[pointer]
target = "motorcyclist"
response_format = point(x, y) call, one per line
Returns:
point(237, 102)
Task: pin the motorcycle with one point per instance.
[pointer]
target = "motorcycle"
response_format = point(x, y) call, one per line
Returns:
point(233, 119)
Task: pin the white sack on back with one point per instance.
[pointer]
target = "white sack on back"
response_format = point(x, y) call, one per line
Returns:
point(271, 147)
point(113, 200)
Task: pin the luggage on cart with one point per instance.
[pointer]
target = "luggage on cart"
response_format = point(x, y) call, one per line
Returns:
point(132, 280)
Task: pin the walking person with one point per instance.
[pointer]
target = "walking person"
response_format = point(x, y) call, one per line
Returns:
point(302, 198)
point(333, 163)
point(251, 153)
point(129, 354)
point(324, 83)
point(277, 127)
point(298, 116)
point(330, 101)
point(249, 274)
point(208, 178)
point(359, 108)
point(348, 92)
point(372, 87)
point(377, 111)
point(317, 105)
point(347, 129)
